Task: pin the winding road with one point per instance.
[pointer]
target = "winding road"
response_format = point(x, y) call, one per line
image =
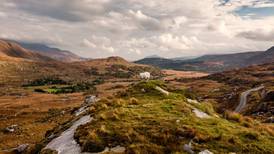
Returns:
point(244, 98)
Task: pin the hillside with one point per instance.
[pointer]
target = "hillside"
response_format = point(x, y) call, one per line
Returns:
point(13, 50)
point(143, 120)
point(265, 57)
point(213, 63)
point(226, 89)
point(14, 72)
point(54, 53)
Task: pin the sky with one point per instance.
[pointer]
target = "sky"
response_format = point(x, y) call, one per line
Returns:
point(134, 29)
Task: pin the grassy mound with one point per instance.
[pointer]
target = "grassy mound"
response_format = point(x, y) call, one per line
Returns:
point(144, 121)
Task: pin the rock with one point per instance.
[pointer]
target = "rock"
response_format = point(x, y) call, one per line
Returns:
point(118, 149)
point(188, 148)
point(162, 90)
point(90, 99)
point(21, 148)
point(200, 114)
point(192, 101)
point(11, 128)
point(205, 152)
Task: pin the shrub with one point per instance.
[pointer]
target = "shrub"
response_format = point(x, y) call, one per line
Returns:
point(45, 81)
point(79, 87)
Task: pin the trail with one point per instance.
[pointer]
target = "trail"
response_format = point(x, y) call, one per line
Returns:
point(243, 98)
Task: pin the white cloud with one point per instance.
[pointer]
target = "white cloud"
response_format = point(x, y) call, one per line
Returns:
point(138, 28)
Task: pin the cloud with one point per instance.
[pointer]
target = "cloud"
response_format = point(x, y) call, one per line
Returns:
point(258, 35)
point(144, 21)
point(138, 28)
point(87, 43)
point(68, 10)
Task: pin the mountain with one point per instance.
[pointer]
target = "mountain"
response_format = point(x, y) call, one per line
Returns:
point(158, 62)
point(213, 63)
point(54, 53)
point(12, 50)
point(265, 57)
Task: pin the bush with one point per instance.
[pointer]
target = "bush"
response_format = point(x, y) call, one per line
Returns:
point(79, 87)
point(39, 90)
point(45, 81)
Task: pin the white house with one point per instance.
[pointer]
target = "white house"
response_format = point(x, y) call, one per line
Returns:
point(145, 75)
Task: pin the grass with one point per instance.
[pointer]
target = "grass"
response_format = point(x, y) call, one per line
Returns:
point(148, 122)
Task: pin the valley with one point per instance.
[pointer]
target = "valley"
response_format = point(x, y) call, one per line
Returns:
point(44, 109)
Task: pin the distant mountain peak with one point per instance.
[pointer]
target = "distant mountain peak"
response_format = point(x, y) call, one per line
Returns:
point(115, 59)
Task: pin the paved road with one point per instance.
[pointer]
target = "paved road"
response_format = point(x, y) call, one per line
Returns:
point(244, 98)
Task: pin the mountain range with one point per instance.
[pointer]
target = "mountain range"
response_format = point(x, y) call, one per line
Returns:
point(12, 50)
point(44, 50)
point(213, 63)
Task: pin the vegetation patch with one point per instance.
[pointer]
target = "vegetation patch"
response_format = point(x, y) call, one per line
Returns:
point(45, 81)
point(62, 89)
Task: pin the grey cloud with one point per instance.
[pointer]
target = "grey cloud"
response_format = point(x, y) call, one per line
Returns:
point(257, 35)
point(68, 10)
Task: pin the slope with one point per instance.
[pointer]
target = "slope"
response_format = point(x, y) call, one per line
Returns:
point(54, 53)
